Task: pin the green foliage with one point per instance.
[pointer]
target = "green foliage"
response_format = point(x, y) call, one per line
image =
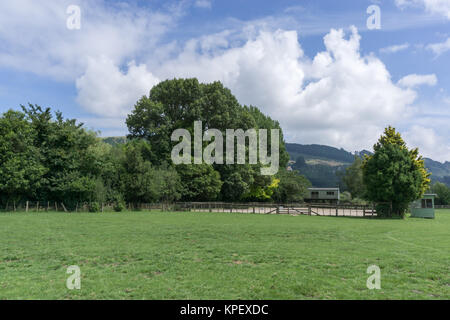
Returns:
point(138, 180)
point(353, 178)
point(442, 192)
point(394, 176)
point(345, 197)
point(94, 207)
point(119, 203)
point(20, 169)
point(292, 187)
point(49, 158)
point(178, 103)
point(69, 155)
point(199, 182)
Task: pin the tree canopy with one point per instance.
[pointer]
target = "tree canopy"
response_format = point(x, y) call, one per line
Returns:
point(177, 104)
point(394, 176)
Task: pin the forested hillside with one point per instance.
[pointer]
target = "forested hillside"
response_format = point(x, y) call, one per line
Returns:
point(323, 165)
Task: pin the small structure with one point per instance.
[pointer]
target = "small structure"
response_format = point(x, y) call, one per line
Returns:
point(330, 195)
point(423, 208)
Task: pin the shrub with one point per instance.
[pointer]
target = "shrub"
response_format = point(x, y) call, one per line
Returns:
point(94, 207)
point(119, 204)
point(346, 197)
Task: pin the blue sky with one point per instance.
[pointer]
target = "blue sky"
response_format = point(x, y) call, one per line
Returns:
point(313, 65)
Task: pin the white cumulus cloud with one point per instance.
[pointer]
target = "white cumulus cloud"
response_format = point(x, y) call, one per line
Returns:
point(415, 80)
point(440, 7)
point(338, 97)
point(36, 39)
point(205, 4)
point(107, 91)
point(428, 142)
point(395, 48)
point(440, 47)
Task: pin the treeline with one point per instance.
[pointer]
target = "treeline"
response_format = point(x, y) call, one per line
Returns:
point(46, 157)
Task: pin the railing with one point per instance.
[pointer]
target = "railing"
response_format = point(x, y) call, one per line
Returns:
point(338, 210)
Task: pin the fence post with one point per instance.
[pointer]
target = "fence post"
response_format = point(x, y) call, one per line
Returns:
point(309, 210)
point(337, 210)
point(26, 210)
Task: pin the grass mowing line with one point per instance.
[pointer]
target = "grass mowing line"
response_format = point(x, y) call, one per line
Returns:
point(413, 244)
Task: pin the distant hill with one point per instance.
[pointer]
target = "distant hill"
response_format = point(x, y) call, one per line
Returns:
point(323, 165)
point(440, 171)
point(316, 151)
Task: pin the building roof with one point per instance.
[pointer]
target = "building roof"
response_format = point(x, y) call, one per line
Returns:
point(323, 189)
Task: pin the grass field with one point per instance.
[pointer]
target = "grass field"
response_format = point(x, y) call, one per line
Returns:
point(142, 255)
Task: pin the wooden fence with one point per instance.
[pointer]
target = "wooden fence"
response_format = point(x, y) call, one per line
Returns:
point(442, 206)
point(339, 210)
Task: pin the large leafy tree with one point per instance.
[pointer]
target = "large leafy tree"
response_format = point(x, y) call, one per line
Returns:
point(178, 103)
point(394, 175)
point(20, 169)
point(68, 152)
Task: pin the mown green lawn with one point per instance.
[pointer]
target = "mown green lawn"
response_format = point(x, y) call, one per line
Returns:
point(143, 255)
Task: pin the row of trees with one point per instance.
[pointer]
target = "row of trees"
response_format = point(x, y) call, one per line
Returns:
point(48, 158)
